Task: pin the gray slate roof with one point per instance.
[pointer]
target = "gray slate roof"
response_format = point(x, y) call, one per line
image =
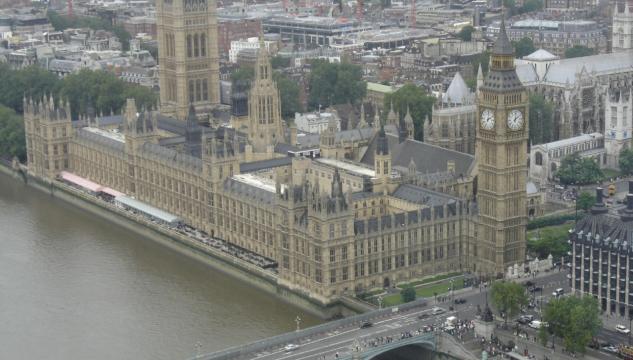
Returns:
point(422, 196)
point(428, 158)
point(264, 164)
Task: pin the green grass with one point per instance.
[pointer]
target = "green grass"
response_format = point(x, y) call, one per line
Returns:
point(425, 291)
point(426, 281)
point(549, 240)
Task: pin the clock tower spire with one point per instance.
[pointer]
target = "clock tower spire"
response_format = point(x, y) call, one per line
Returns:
point(501, 153)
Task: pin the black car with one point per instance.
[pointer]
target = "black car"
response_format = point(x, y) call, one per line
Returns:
point(460, 301)
point(366, 325)
point(529, 283)
point(536, 288)
point(423, 316)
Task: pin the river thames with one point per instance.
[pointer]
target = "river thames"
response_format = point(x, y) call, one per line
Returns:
point(76, 286)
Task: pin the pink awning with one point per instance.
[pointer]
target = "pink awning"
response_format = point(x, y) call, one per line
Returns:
point(81, 182)
point(111, 192)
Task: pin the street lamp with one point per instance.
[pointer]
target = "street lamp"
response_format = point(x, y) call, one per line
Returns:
point(298, 322)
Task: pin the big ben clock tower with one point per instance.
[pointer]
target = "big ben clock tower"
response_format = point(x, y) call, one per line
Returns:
point(501, 153)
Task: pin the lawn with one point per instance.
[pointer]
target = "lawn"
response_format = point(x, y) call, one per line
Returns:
point(427, 291)
point(426, 281)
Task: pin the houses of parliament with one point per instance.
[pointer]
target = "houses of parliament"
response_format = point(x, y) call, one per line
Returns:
point(340, 213)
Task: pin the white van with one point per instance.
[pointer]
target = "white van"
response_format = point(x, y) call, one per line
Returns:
point(536, 324)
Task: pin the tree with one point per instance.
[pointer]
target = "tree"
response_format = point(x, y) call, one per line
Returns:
point(549, 240)
point(335, 83)
point(288, 96)
point(482, 59)
point(541, 120)
point(32, 81)
point(278, 62)
point(243, 73)
point(408, 294)
point(578, 51)
point(585, 200)
point(579, 171)
point(626, 161)
point(416, 100)
point(12, 142)
point(574, 319)
point(508, 298)
point(466, 33)
point(531, 5)
point(523, 47)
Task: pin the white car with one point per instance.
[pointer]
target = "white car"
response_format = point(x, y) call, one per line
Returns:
point(622, 329)
point(535, 324)
point(291, 347)
point(437, 310)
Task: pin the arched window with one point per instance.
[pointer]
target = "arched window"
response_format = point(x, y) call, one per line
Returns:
point(203, 45)
point(553, 168)
point(198, 90)
point(191, 91)
point(189, 46)
point(538, 158)
point(196, 49)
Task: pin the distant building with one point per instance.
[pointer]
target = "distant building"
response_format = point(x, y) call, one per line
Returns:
point(622, 37)
point(230, 29)
point(545, 159)
point(316, 122)
point(315, 30)
point(140, 25)
point(556, 36)
point(618, 127)
point(250, 43)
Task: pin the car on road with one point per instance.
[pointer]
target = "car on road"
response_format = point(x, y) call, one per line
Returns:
point(558, 292)
point(529, 283)
point(291, 347)
point(525, 319)
point(536, 324)
point(611, 349)
point(536, 288)
point(460, 301)
point(622, 329)
point(366, 325)
point(437, 310)
point(423, 316)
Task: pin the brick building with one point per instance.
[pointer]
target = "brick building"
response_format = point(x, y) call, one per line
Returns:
point(230, 29)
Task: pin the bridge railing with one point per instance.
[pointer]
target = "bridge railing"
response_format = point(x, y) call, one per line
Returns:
point(294, 337)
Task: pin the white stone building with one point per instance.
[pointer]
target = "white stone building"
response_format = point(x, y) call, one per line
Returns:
point(545, 159)
point(250, 43)
point(317, 122)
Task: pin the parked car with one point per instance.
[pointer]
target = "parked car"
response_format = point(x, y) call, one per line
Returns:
point(366, 325)
point(460, 301)
point(622, 329)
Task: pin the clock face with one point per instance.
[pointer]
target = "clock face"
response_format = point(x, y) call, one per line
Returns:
point(515, 119)
point(487, 119)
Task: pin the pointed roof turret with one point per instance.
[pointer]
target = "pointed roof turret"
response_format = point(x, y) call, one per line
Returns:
point(503, 46)
point(457, 92)
point(382, 144)
point(392, 117)
point(192, 119)
point(362, 123)
point(408, 118)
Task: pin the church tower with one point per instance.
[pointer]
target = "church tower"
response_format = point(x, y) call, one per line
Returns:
point(382, 161)
point(501, 153)
point(622, 36)
point(188, 56)
point(265, 123)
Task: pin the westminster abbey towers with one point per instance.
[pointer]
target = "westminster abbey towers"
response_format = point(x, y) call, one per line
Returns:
point(188, 56)
point(501, 151)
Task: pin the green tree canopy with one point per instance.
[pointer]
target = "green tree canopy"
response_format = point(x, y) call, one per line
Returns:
point(482, 59)
point(243, 73)
point(288, 96)
point(466, 33)
point(585, 200)
point(407, 294)
point(508, 297)
point(335, 83)
point(541, 120)
point(417, 100)
point(579, 171)
point(523, 47)
point(626, 161)
point(12, 141)
point(578, 51)
point(549, 240)
point(574, 319)
point(278, 62)
point(32, 81)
